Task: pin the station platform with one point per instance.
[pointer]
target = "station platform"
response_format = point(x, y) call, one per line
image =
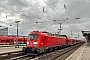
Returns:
point(9, 48)
point(82, 53)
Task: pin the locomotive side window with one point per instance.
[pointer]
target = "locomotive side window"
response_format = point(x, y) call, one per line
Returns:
point(33, 36)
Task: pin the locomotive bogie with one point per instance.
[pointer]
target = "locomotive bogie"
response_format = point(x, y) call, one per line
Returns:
point(34, 51)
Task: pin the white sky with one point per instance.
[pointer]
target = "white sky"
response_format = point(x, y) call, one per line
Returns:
point(30, 11)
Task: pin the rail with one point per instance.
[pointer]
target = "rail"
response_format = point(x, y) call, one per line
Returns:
point(61, 54)
point(10, 54)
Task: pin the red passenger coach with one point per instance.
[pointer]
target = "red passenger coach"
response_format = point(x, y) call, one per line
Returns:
point(73, 41)
point(9, 40)
point(78, 41)
point(68, 40)
point(6, 40)
point(22, 40)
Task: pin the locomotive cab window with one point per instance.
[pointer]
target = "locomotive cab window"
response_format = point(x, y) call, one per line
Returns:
point(33, 36)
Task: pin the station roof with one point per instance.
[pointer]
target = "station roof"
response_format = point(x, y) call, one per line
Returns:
point(84, 32)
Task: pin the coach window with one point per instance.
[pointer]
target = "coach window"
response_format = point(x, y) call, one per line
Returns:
point(2, 40)
point(7, 40)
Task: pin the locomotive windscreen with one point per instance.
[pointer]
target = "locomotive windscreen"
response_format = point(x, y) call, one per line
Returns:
point(33, 36)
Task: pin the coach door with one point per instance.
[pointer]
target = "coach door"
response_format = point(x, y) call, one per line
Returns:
point(15, 40)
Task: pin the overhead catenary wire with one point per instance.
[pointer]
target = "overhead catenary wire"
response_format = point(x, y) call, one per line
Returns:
point(33, 7)
point(65, 7)
point(18, 12)
point(61, 16)
point(26, 10)
point(68, 13)
point(70, 16)
point(72, 20)
point(29, 17)
point(14, 11)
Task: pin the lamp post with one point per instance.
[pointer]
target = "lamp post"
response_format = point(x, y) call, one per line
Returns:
point(17, 46)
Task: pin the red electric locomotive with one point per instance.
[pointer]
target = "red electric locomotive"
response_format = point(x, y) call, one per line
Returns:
point(39, 42)
point(6, 40)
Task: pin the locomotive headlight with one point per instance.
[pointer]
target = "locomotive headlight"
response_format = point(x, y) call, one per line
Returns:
point(35, 43)
point(27, 42)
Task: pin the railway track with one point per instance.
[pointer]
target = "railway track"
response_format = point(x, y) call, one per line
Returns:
point(8, 55)
point(23, 57)
point(61, 54)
